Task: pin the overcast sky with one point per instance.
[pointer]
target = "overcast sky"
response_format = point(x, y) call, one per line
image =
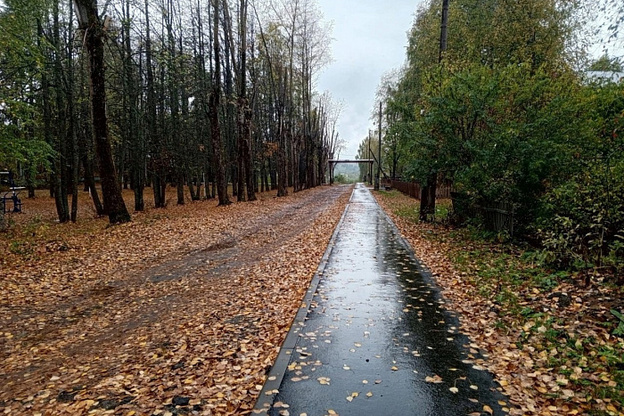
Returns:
point(370, 37)
point(369, 40)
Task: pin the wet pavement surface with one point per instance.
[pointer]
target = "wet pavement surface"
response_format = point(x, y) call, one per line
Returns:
point(373, 337)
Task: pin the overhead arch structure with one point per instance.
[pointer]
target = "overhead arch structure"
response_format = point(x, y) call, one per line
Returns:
point(334, 162)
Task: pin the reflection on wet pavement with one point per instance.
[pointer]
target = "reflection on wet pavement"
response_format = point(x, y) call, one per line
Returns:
point(377, 339)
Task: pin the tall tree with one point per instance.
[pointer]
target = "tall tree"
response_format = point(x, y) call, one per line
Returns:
point(151, 128)
point(245, 151)
point(214, 101)
point(89, 21)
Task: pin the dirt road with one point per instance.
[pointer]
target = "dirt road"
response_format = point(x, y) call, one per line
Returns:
point(175, 315)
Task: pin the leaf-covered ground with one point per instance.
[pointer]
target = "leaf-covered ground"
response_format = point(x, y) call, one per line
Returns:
point(181, 311)
point(548, 337)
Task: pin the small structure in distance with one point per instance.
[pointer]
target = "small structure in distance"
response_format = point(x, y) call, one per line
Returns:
point(334, 162)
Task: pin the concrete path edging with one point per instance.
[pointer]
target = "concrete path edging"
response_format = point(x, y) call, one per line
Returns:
point(377, 315)
point(278, 370)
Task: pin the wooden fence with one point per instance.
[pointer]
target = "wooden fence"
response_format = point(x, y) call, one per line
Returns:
point(499, 217)
point(413, 189)
point(496, 217)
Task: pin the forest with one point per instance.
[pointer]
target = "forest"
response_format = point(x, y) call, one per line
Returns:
point(510, 112)
point(215, 98)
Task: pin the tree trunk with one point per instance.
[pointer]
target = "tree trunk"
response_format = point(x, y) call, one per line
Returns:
point(131, 100)
point(244, 136)
point(85, 144)
point(75, 171)
point(180, 188)
point(61, 166)
point(88, 18)
point(215, 97)
point(151, 130)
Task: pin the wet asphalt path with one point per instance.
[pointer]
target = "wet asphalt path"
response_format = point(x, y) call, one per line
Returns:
point(374, 338)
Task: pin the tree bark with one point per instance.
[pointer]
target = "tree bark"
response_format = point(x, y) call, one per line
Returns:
point(131, 100)
point(152, 130)
point(114, 205)
point(85, 145)
point(246, 164)
point(75, 173)
point(214, 101)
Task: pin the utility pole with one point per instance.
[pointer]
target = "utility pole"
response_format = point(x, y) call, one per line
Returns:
point(378, 178)
point(443, 29)
point(428, 193)
point(370, 165)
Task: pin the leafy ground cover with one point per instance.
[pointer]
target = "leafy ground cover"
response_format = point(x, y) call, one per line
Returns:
point(180, 312)
point(549, 337)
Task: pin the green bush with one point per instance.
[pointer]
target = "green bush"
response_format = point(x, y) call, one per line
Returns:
point(582, 218)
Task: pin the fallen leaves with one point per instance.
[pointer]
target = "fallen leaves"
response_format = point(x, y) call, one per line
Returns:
point(185, 307)
point(434, 379)
point(325, 381)
point(555, 361)
point(352, 396)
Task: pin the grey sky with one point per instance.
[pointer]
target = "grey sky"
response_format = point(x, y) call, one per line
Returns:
point(369, 40)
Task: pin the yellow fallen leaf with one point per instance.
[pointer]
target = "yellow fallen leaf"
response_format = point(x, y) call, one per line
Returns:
point(488, 409)
point(324, 380)
point(435, 379)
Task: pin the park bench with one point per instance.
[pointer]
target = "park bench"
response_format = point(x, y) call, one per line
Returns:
point(9, 197)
